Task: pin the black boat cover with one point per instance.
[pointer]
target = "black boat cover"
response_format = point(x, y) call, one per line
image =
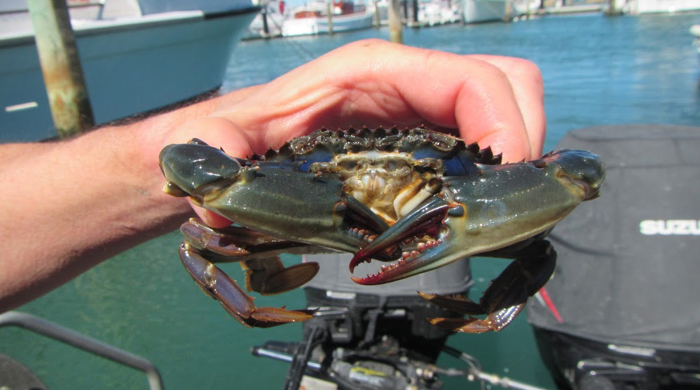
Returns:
point(628, 271)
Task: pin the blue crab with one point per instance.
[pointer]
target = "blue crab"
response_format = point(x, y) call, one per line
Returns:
point(416, 198)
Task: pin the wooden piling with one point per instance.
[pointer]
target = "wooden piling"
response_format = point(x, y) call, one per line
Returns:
point(613, 9)
point(395, 33)
point(329, 11)
point(414, 4)
point(266, 28)
point(377, 18)
point(60, 65)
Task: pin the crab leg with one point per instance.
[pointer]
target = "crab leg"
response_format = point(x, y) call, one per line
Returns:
point(506, 296)
point(256, 252)
point(215, 283)
point(269, 276)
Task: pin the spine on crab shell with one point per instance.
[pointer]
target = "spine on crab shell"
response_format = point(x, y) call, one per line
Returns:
point(486, 156)
point(323, 144)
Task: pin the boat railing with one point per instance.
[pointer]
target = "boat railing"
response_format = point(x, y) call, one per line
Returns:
point(83, 342)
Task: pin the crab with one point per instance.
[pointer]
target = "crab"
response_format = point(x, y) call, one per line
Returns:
point(415, 198)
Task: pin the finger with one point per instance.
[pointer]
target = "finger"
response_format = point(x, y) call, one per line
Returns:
point(526, 80)
point(210, 218)
point(378, 83)
point(218, 132)
point(468, 93)
point(420, 86)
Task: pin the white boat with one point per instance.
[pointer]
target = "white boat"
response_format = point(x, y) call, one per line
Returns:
point(436, 12)
point(661, 6)
point(480, 11)
point(136, 57)
point(525, 7)
point(382, 9)
point(313, 18)
point(695, 32)
point(272, 15)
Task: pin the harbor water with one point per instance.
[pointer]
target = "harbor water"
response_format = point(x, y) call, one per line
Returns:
point(596, 69)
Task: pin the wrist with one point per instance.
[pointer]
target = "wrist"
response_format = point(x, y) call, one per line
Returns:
point(143, 141)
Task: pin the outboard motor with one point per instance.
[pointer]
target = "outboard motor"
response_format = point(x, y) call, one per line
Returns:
point(369, 337)
point(622, 310)
point(393, 309)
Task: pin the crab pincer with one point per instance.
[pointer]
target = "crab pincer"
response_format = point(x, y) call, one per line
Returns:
point(504, 211)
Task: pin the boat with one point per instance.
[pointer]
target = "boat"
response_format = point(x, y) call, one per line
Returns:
point(268, 23)
point(525, 8)
point(136, 56)
point(382, 11)
point(695, 32)
point(312, 18)
point(437, 12)
point(481, 11)
point(660, 6)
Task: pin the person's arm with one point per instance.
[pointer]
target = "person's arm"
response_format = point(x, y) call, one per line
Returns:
point(69, 205)
point(72, 204)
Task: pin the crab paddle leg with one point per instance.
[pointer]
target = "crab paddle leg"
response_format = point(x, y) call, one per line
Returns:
point(269, 276)
point(215, 283)
point(530, 270)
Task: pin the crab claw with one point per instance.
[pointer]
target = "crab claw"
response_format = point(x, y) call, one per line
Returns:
point(424, 220)
point(501, 206)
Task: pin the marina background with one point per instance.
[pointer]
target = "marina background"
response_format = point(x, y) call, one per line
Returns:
point(596, 70)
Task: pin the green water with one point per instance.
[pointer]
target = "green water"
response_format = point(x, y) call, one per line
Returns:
point(144, 302)
point(596, 70)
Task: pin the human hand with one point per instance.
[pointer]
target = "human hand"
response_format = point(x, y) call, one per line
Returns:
point(494, 101)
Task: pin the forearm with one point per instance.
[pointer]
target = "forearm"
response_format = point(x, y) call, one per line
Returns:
point(72, 204)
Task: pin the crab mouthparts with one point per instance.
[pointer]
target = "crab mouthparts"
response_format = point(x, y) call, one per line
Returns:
point(425, 222)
